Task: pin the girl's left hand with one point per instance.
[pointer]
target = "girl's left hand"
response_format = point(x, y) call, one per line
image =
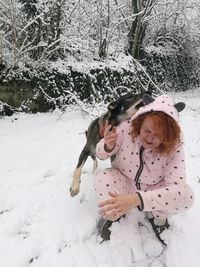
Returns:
point(118, 205)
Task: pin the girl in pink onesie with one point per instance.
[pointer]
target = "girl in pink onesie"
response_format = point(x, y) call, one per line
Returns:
point(148, 168)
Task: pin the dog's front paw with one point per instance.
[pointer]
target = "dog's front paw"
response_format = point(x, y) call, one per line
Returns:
point(74, 190)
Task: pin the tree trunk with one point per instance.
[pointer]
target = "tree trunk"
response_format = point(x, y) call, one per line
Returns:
point(137, 32)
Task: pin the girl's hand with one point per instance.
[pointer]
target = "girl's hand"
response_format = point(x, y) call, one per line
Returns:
point(110, 137)
point(118, 205)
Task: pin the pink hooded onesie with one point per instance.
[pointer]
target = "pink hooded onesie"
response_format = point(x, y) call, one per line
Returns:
point(159, 180)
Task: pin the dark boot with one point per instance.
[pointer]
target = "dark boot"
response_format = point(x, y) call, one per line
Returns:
point(103, 229)
point(159, 226)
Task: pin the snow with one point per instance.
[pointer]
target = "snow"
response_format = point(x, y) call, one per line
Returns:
point(122, 62)
point(42, 226)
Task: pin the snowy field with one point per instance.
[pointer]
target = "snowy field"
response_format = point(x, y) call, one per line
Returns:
point(42, 226)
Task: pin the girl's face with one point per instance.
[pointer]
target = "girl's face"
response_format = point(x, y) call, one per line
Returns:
point(149, 134)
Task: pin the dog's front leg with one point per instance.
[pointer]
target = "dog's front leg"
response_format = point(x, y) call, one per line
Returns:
point(75, 185)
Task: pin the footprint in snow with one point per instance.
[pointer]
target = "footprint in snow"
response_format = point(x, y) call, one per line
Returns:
point(4, 211)
point(48, 173)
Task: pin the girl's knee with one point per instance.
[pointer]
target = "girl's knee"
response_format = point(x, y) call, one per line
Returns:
point(111, 180)
point(185, 202)
point(104, 177)
point(105, 182)
point(188, 198)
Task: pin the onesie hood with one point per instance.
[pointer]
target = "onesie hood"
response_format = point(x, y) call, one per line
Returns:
point(162, 103)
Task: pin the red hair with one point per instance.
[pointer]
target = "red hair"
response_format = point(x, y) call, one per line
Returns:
point(168, 130)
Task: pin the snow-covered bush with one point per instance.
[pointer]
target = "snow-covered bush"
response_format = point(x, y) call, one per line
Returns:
point(45, 89)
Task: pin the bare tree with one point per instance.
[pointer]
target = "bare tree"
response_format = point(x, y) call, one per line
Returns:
point(30, 29)
point(170, 24)
point(36, 30)
point(9, 26)
point(138, 28)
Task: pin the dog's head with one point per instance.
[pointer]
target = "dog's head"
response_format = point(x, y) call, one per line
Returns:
point(125, 107)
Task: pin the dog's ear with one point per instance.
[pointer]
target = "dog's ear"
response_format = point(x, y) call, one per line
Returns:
point(148, 92)
point(179, 106)
point(147, 99)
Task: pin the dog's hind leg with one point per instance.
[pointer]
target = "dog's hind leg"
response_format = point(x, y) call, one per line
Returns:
point(76, 180)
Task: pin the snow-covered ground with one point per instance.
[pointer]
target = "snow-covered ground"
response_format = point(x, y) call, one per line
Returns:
point(42, 226)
